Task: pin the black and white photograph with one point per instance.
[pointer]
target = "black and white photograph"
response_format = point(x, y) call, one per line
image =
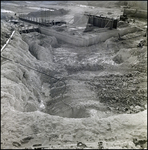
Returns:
point(73, 74)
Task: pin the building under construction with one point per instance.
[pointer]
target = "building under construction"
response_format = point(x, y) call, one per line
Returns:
point(75, 32)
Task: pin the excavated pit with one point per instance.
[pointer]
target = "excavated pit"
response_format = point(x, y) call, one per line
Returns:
point(61, 109)
point(95, 94)
point(66, 60)
point(61, 103)
point(58, 92)
point(55, 88)
point(69, 61)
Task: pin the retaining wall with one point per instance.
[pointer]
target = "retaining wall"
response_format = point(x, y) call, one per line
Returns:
point(83, 40)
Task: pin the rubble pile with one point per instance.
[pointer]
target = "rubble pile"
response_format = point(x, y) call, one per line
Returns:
point(121, 91)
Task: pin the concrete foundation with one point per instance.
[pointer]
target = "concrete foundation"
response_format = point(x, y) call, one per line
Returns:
point(86, 40)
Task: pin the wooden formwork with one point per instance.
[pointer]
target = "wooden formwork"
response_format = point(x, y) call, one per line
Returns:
point(102, 22)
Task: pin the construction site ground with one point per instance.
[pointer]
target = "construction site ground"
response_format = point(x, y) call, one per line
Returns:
point(54, 94)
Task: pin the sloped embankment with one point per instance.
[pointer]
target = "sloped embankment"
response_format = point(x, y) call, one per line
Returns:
point(5, 32)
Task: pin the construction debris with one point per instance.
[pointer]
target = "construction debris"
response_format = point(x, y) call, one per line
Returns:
point(123, 17)
point(141, 43)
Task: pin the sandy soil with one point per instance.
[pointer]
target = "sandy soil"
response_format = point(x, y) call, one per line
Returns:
point(79, 94)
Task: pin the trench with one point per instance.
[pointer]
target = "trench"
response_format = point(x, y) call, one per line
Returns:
point(68, 95)
point(57, 86)
point(65, 103)
point(67, 98)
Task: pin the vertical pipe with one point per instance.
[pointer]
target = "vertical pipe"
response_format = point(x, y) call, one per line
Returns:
point(101, 22)
point(105, 22)
point(111, 24)
point(92, 20)
point(97, 21)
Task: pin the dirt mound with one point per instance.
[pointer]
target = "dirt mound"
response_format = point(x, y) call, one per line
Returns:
point(122, 56)
point(41, 46)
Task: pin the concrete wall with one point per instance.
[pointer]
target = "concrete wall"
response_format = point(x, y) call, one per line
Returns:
point(85, 41)
point(63, 36)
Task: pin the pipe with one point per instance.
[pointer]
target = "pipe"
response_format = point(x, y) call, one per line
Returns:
point(7, 41)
